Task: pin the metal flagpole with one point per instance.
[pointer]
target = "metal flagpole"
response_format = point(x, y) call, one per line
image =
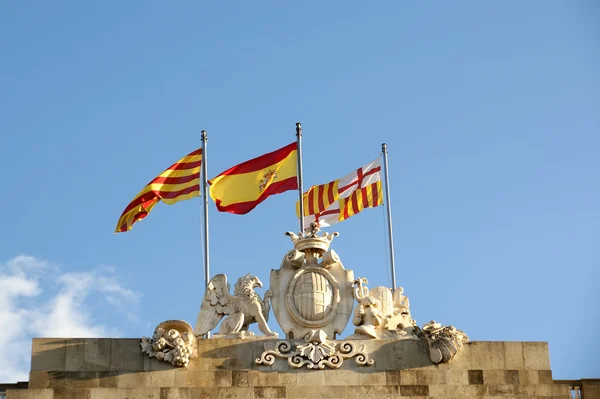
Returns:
point(300, 190)
point(205, 206)
point(389, 214)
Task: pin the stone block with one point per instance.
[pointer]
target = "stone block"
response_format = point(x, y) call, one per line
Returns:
point(373, 391)
point(312, 378)
point(321, 392)
point(126, 355)
point(513, 356)
point(103, 393)
point(408, 377)
point(494, 377)
point(240, 379)
point(511, 377)
point(258, 378)
point(444, 391)
point(48, 379)
point(392, 377)
point(221, 393)
point(487, 355)
point(269, 392)
point(529, 377)
point(138, 393)
point(286, 379)
point(185, 378)
point(107, 379)
point(30, 394)
point(71, 393)
point(148, 379)
point(536, 356)
point(351, 377)
point(48, 354)
point(74, 354)
point(475, 377)
point(470, 390)
point(96, 354)
point(545, 376)
point(457, 377)
point(500, 390)
point(175, 393)
point(426, 377)
point(414, 390)
point(82, 379)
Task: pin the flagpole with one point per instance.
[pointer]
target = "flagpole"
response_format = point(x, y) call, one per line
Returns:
point(389, 214)
point(205, 209)
point(300, 190)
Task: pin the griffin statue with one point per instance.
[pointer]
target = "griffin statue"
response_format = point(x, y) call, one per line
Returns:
point(240, 310)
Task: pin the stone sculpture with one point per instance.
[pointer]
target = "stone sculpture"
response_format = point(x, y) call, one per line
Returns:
point(311, 289)
point(240, 310)
point(367, 315)
point(173, 342)
point(316, 353)
point(444, 342)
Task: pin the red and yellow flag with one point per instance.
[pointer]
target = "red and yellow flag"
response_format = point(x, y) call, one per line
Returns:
point(179, 182)
point(241, 188)
point(340, 199)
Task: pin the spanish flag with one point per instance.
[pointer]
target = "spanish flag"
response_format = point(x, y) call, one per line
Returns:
point(179, 182)
point(241, 188)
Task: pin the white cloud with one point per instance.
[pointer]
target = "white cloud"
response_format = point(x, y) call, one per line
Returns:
point(38, 300)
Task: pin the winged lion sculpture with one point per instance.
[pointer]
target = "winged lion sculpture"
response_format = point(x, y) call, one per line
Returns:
point(240, 310)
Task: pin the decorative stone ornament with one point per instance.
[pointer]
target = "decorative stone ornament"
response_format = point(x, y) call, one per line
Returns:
point(240, 310)
point(316, 353)
point(311, 289)
point(444, 342)
point(173, 341)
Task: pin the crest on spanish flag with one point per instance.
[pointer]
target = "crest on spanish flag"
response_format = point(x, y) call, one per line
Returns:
point(242, 187)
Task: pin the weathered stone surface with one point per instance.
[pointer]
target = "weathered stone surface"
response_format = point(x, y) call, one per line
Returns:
point(511, 377)
point(457, 377)
point(149, 379)
point(48, 354)
point(125, 355)
point(74, 354)
point(373, 391)
point(96, 354)
point(175, 393)
point(30, 394)
point(513, 356)
point(414, 390)
point(316, 392)
point(536, 356)
point(269, 392)
point(72, 393)
point(494, 377)
point(487, 355)
point(475, 377)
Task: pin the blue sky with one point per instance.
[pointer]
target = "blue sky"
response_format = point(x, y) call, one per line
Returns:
point(490, 111)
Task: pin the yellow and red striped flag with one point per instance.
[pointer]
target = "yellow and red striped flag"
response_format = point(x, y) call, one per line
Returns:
point(179, 182)
point(242, 187)
point(340, 199)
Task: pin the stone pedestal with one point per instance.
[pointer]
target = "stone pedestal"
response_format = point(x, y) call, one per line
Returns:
point(226, 368)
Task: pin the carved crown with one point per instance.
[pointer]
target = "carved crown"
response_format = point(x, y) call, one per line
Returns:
point(312, 242)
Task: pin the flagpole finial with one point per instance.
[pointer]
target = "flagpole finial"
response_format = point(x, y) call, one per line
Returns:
point(384, 147)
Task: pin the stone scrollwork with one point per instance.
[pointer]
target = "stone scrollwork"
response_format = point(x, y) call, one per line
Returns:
point(173, 341)
point(316, 353)
point(444, 342)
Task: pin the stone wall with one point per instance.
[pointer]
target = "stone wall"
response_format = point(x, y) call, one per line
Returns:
point(117, 369)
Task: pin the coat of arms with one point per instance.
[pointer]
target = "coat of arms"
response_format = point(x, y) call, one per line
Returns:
point(268, 177)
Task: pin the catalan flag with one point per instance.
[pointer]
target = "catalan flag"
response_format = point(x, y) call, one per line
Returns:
point(340, 199)
point(179, 182)
point(242, 187)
